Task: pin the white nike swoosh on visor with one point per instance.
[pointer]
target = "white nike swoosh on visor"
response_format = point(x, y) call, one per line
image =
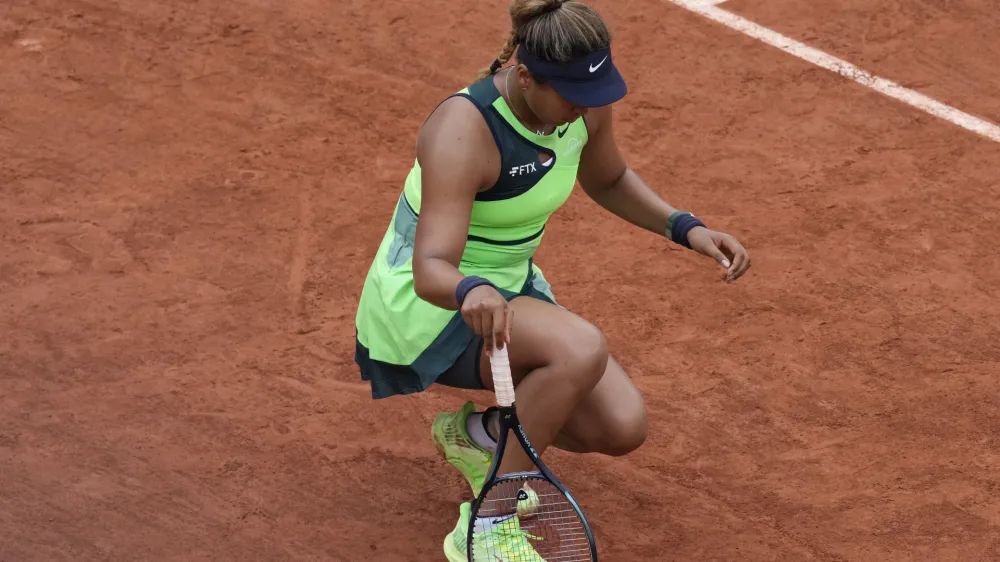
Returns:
point(594, 68)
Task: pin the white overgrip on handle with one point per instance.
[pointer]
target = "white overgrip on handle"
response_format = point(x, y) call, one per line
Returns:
point(503, 384)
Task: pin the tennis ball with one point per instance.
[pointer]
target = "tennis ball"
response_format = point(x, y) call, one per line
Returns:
point(527, 502)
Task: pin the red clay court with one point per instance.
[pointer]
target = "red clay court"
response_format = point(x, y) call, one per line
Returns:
point(191, 192)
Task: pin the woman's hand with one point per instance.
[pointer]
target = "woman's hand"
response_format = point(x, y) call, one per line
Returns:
point(489, 314)
point(721, 247)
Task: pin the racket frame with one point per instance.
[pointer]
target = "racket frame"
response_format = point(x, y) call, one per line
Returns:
point(509, 422)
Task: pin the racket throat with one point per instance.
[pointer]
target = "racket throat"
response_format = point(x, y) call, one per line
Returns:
point(510, 424)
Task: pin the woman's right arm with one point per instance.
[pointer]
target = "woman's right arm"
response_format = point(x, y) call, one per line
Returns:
point(458, 157)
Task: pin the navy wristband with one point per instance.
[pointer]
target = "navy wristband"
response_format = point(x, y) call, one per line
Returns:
point(680, 224)
point(468, 284)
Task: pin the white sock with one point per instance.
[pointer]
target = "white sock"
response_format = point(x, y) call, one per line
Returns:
point(478, 433)
point(484, 524)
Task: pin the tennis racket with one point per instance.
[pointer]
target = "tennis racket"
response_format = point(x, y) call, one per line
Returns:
point(532, 516)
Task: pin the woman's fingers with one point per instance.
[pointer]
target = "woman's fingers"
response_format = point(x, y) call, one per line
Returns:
point(486, 325)
point(509, 323)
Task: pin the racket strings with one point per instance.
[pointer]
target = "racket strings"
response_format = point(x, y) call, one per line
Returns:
point(527, 519)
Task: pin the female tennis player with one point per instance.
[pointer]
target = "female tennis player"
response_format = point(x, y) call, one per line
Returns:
point(493, 162)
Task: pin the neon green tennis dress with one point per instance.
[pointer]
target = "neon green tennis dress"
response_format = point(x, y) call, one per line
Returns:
point(403, 342)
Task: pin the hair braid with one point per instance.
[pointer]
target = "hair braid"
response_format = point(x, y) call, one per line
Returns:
point(505, 54)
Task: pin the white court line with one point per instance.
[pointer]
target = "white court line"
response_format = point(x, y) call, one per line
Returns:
point(709, 9)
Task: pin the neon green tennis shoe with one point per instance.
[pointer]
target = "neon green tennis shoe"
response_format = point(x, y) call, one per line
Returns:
point(453, 442)
point(451, 438)
point(505, 543)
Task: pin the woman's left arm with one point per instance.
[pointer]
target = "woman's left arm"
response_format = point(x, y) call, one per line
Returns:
point(607, 180)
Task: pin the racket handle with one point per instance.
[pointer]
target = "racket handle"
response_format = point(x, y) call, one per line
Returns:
point(503, 384)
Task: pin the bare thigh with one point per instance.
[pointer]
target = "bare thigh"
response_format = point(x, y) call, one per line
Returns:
point(612, 418)
point(542, 334)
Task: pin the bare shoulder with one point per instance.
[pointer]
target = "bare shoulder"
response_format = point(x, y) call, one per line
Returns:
point(456, 137)
point(598, 120)
point(601, 163)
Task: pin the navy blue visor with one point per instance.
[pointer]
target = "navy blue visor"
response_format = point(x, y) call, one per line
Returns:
point(589, 81)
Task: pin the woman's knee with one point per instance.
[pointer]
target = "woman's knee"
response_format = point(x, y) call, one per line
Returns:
point(625, 432)
point(584, 352)
point(624, 424)
point(612, 420)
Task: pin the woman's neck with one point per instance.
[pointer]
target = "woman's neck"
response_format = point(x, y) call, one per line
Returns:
point(515, 98)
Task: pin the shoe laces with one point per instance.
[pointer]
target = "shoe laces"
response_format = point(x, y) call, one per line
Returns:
point(511, 533)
